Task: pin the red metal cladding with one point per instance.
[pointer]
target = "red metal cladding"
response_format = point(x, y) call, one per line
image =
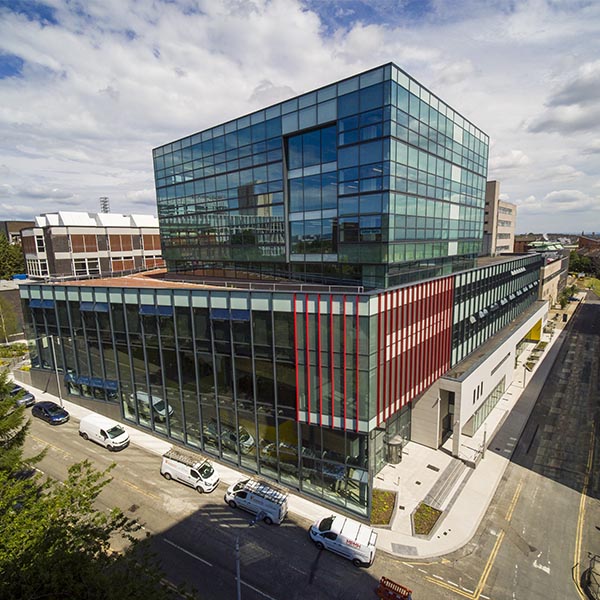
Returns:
point(395, 346)
point(378, 358)
point(403, 347)
point(320, 372)
point(331, 355)
point(297, 362)
point(357, 361)
point(344, 356)
point(307, 346)
point(385, 355)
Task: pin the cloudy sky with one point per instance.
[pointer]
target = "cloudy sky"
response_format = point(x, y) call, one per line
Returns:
point(89, 87)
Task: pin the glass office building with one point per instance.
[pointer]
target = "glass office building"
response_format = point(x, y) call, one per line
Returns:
point(372, 181)
point(321, 277)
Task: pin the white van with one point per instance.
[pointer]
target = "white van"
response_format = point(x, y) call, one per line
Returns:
point(199, 474)
point(351, 539)
point(264, 500)
point(103, 431)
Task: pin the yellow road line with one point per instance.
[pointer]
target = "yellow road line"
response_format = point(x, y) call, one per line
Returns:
point(37, 439)
point(452, 588)
point(492, 558)
point(581, 517)
point(138, 489)
point(513, 502)
point(131, 485)
point(488, 566)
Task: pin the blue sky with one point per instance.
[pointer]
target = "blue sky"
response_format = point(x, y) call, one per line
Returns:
point(88, 88)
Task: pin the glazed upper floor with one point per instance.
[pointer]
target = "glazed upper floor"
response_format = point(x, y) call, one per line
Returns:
point(373, 173)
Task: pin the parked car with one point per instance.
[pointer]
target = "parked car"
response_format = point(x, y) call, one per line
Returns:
point(353, 540)
point(210, 432)
point(158, 404)
point(50, 412)
point(103, 431)
point(232, 439)
point(22, 396)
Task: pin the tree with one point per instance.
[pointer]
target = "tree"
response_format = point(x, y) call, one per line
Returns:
point(13, 428)
point(579, 264)
point(11, 258)
point(54, 543)
point(8, 320)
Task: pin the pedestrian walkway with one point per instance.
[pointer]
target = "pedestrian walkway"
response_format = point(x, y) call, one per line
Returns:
point(462, 493)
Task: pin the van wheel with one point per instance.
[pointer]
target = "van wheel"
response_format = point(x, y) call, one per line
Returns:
point(268, 520)
point(109, 448)
point(357, 563)
point(199, 489)
point(319, 545)
point(167, 476)
point(232, 504)
point(85, 436)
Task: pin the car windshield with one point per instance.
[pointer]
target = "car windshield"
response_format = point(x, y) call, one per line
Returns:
point(115, 431)
point(240, 484)
point(160, 405)
point(54, 410)
point(325, 524)
point(244, 435)
point(206, 471)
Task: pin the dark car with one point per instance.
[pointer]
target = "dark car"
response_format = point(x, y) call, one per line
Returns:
point(22, 396)
point(50, 412)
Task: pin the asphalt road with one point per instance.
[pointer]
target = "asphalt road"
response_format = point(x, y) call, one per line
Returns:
point(540, 530)
point(533, 543)
point(194, 534)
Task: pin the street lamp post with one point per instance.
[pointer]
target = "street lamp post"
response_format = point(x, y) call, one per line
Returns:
point(259, 517)
point(55, 364)
point(56, 369)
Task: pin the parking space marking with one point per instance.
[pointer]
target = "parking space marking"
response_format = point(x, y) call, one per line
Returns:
point(187, 552)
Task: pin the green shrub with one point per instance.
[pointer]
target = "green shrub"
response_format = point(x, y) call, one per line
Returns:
point(382, 509)
point(425, 518)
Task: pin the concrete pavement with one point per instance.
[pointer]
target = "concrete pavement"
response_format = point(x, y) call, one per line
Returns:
point(424, 475)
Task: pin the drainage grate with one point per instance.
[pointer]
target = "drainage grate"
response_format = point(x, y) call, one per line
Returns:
point(433, 468)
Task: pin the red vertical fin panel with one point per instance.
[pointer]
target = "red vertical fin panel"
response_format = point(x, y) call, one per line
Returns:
point(297, 365)
point(422, 358)
point(307, 345)
point(434, 345)
point(385, 356)
point(378, 359)
point(395, 347)
point(401, 348)
point(345, 374)
point(320, 373)
point(331, 359)
point(357, 362)
point(429, 333)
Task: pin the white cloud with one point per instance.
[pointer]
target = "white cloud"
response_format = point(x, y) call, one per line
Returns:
point(99, 91)
point(511, 160)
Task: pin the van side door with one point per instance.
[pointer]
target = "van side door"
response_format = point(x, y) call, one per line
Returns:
point(101, 437)
point(337, 544)
point(243, 501)
point(193, 477)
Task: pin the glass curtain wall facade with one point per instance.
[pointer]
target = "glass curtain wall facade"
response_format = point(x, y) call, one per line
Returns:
point(372, 181)
point(295, 386)
point(216, 371)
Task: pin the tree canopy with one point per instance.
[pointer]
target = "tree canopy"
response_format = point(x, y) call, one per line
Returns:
point(12, 260)
point(13, 428)
point(54, 542)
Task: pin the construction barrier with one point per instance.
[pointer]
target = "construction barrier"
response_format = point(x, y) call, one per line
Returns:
point(390, 590)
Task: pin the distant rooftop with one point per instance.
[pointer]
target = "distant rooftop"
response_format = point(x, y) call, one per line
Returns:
point(84, 219)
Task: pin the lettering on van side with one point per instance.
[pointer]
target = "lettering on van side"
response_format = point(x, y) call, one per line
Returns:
point(353, 543)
